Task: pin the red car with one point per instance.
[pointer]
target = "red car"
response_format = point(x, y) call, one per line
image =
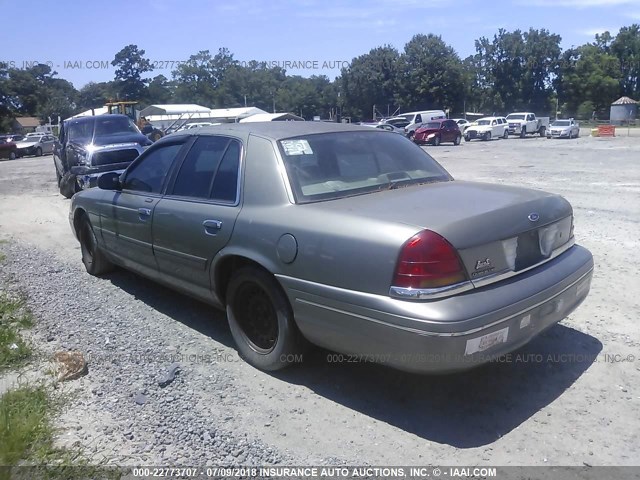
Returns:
point(437, 131)
point(7, 149)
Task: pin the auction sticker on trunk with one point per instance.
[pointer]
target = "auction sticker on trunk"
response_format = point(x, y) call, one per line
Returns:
point(480, 344)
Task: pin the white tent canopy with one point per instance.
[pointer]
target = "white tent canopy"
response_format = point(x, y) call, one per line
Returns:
point(173, 109)
point(272, 117)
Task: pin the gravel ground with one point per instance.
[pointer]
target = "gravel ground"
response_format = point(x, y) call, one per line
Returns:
point(570, 398)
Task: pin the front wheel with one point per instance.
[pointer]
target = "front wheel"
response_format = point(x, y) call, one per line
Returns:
point(457, 140)
point(523, 132)
point(261, 320)
point(487, 136)
point(92, 257)
point(68, 185)
point(38, 152)
point(467, 138)
point(12, 155)
point(436, 141)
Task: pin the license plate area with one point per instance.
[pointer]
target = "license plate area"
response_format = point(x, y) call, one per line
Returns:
point(528, 250)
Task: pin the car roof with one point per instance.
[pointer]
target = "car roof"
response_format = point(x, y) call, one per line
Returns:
point(272, 130)
point(90, 118)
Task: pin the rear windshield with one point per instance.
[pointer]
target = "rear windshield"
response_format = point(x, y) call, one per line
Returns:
point(341, 164)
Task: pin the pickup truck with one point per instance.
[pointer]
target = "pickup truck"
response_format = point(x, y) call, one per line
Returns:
point(526, 123)
point(90, 146)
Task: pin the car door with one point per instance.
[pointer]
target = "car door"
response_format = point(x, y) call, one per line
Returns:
point(195, 219)
point(47, 144)
point(126, 223)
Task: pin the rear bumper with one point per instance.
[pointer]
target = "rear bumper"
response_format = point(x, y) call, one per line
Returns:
point(445, 335)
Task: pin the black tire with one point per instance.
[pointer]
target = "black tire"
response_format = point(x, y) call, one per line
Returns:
point(505, 135)
point(68, 185)
point(542, 131)
point(487, 136)
point(93, 259)
point(467, 138)
point(410, 134)
point(436, 141)
point(12, 155)
point(523, 132)
point(456, 142)
point(38, 152)
point(261, 320)
point(570, 134)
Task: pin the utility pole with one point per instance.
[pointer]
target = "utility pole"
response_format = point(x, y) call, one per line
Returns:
point(245, 99)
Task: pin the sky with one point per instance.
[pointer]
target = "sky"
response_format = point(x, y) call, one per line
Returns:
point(79, 39)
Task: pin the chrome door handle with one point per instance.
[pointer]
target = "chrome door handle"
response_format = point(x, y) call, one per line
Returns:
point(144, 214)
point(211, 227)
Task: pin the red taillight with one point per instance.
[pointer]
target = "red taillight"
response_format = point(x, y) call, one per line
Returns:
point(428, 261)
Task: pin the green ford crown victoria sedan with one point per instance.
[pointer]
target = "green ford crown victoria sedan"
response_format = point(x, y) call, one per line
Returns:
point(346, 237)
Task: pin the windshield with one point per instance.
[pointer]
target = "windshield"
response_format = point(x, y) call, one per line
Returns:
point(431, 125)
point(113, 125)
point(336, 165)
point(515, 117)
point(561, 123)
point(484, 122)
point(32, 138)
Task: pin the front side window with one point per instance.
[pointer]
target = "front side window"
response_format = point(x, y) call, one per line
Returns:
point(341, 164)
point(148, 175)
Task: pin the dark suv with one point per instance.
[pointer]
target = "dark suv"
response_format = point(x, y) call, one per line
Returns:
point(91, 146)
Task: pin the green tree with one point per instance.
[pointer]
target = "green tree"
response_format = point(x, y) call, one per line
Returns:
point(371, 79)
point(160, 90)
point(131, 66)
point(198, 78)
point(432, 75)
point(94, 95)
point(626, 48)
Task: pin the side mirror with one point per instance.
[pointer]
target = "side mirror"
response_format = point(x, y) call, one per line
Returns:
point(109, 181)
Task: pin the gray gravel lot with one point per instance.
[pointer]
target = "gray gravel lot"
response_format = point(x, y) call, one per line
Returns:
point(571, 397)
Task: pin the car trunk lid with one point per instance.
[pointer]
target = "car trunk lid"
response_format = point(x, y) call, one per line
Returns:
point(495, 228)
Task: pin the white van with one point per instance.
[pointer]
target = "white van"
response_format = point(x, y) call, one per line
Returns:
point(416, 119)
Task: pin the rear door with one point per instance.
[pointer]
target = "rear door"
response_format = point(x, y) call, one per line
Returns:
point(127, 219)
point(194, 221)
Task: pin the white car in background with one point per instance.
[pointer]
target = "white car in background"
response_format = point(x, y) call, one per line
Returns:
point(487, 128)
point(564, 128)
point(463, 123)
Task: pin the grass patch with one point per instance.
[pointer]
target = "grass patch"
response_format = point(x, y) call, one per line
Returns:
point(14, 315)
point(24, 424)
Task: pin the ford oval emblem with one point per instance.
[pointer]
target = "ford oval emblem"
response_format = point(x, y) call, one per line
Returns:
point(534, 217)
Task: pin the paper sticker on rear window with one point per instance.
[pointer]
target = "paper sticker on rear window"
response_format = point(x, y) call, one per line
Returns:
point(296, 147)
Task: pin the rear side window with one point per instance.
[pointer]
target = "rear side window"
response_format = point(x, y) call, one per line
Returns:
point(210, 169)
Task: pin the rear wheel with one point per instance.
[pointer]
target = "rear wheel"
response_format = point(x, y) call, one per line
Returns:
point(12, 155)
point(542, 131)
point(92, 257)
point(261, 320)
point(457, 140)
point(505, 135)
